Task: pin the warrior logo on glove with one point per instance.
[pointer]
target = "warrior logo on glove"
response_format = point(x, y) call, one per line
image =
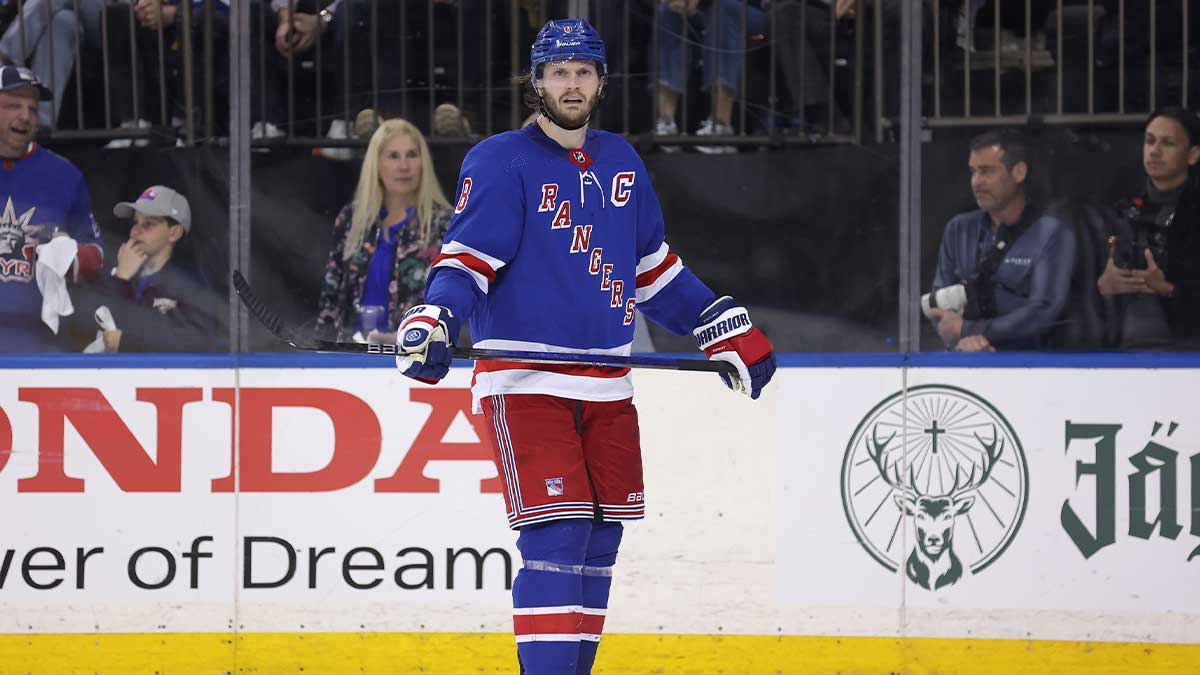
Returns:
point(725, 333)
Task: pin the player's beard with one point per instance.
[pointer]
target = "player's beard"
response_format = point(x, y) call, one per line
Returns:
point(570, 121)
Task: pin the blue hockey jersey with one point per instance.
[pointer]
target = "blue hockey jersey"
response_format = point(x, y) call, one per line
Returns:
point(41, 193)
point(552, 250)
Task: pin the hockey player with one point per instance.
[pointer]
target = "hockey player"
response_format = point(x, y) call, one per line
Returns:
point(557, 238)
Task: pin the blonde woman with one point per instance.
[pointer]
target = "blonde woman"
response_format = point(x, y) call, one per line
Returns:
point(384, 240)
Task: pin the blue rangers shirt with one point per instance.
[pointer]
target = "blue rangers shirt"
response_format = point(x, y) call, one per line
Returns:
point(552, 250)
point(40, 193)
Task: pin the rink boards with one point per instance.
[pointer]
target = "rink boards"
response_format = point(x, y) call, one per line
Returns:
point(869, 514)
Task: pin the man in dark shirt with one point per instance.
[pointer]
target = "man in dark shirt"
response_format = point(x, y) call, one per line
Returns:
point(157, 304)
point(1008, 254)
point(1153, 266)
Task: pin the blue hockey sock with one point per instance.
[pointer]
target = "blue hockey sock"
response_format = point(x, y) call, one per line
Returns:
point(548, 596)
point(597, 580)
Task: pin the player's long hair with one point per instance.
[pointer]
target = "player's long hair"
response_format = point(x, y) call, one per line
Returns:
point(368, 196)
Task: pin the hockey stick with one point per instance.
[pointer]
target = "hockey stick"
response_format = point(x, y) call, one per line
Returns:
point(268, 318)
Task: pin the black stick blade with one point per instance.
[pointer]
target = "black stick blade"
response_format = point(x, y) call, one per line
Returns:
point(257, 307)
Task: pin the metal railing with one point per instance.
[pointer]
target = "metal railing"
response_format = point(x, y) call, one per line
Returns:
point(92, 24)
point(1086, 15)
point(416, 55)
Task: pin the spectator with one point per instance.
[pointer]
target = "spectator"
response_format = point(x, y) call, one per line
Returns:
point(27, 41)
point(301, 28)
point(385, 239)
point(420, 72)
point(45, 200)
point(803, 26)
point(680, 22)
point(1008, 264)
point(138, 79)
point(158, 304)
point(1154, 255)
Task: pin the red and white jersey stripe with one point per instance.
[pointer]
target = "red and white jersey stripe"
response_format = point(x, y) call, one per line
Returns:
point(655, 271)
point(481, 266)
point(579, 382)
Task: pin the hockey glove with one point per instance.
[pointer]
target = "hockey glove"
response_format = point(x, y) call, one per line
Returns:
point(424, 337)
point(725, 333)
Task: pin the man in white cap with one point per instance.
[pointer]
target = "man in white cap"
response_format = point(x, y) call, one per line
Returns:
point(158, 304)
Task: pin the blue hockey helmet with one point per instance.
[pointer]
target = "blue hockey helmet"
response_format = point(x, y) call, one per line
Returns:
point(567, 39)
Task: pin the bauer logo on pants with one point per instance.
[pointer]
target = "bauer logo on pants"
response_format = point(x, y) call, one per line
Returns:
point(950, 462)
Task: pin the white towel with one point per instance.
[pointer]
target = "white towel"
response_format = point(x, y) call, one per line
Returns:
point(105, 319)
point(54, 259)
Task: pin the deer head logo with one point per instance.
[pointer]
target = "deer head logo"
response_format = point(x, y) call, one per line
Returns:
point(924, 465)
point(932, 563)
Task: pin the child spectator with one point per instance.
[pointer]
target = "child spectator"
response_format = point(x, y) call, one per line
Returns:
point(158, 304)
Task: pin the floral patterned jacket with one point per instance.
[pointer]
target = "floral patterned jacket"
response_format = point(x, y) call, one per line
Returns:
point(345, 280)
